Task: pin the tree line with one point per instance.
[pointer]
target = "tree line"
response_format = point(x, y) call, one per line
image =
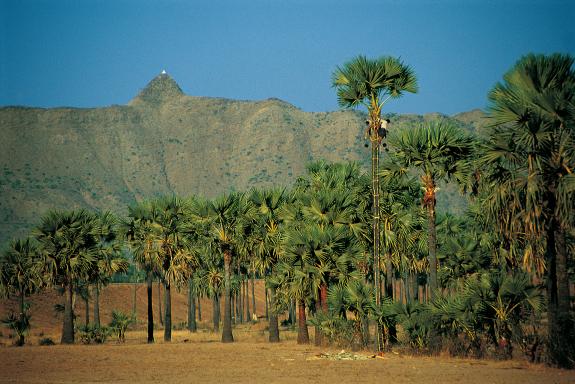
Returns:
point(348, 249)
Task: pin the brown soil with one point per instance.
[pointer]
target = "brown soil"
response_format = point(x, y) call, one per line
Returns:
point(200, 357)
point(203, 359)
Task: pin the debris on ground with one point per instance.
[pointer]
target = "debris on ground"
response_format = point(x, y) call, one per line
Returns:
point(343, 355)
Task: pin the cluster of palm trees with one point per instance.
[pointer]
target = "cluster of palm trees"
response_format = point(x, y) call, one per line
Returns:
point(69, 250)
point(348, 249)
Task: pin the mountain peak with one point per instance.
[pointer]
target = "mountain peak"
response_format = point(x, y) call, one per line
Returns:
point(159, 90)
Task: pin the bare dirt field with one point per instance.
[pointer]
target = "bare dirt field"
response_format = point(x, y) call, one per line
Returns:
point(201, 358)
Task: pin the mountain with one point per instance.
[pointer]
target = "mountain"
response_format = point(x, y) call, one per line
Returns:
point(162, 142)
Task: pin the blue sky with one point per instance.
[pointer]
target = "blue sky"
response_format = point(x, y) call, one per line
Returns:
point(97, 53)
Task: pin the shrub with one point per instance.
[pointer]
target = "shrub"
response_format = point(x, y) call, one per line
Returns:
point(120, 323)
point(92, 334)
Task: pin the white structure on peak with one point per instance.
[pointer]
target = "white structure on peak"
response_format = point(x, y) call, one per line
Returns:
point(163, 71)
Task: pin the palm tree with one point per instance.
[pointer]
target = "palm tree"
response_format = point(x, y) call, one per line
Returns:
point(20, 274)
point(532, 138)
point(142, 233)
point(266, 237)
point(68, 249)
point(226, 216)
point(372, 83)
point(438, 151)
point(176, 257)
point(109, 257)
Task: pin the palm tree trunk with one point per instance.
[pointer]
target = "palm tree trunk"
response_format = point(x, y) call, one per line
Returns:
point(96, 306)
point(375, 142)
point(21, 337)
point(560, 324)
point(432, 233)
point(247, 300)
point(216, 312)
point(86, 311)
point(227, 336)
point(192, 327)
point(68, 324)
point(254, 294)
point(388, 277)
point(160, 302)
point(273, 321)
point(267, 304)
point(168, 314)
point(302, 332)
point(149, 283)
point(199, 308)
point(240, 302)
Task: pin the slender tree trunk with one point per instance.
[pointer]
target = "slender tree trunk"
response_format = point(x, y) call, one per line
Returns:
point(21, 337)
point(388, 277)
point(96, 306)
point(375, 125)
point(254, 295)
point(267, 303)
point(216, 312)
point(432, 234)
point(87, 310)
point(149, 282)
point(160, 303)
point(302, 332)
point(247, 300)
point(192, 327)
point(560, 323)
point(318, 335)
point(168, 314)
point(199, 308)
point(321, 306)
point(227, 336)
point(68, 324)
point(273, 321)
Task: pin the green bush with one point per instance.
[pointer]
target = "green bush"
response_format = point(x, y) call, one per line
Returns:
point(92, 334)
point(119, 324)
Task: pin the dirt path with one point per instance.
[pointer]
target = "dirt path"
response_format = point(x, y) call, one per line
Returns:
point(209, 361)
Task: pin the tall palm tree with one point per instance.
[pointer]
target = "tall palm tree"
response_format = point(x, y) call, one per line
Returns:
point(177, 260)
point(533, 139)
point(109, 256)
point(142, 233)
point(268, 204)
point(226, 215)
point(438, 151)
point(371, 83)
point(68, 249)
point(20, 274)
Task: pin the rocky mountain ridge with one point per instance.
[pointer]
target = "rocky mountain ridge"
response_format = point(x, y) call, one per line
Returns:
point(163, 142)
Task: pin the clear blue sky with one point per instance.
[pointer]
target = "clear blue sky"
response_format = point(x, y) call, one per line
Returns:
point(97, 53)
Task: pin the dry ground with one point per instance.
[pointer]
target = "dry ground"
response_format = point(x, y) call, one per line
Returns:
point(201, 358)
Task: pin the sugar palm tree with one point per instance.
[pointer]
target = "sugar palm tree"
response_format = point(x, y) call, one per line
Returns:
point(142, 233)
point(371, 83)
point(225, 215)
point(177, 260)
point(68, 249)
point(532, 138)
point(109, 256)
point(438, 151)
point(268, 205)
point(20, 274)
